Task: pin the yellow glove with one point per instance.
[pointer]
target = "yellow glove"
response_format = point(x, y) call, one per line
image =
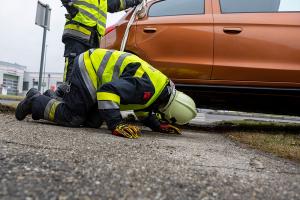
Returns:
point(168, 128)
point(127, 130)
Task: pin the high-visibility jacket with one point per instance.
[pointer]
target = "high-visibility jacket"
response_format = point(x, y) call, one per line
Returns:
point(91, 16)
point(100, 66)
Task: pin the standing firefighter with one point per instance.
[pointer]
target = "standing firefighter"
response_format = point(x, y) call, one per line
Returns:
point(85, 24)
point(115, 81)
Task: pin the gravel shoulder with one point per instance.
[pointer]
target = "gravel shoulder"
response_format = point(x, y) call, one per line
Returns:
point(43, 161)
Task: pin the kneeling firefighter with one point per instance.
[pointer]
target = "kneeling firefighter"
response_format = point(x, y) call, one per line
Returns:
point(113, 81)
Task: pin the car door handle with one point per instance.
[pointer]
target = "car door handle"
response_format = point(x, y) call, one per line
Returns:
point(232, 30)
point(149, 30)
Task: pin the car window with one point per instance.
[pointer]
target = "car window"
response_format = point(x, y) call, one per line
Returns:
point(259, 6)
point(176, 7)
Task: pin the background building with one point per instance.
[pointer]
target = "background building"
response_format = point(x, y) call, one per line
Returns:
point(15, 80)
point(49, 80)
point(11, 78)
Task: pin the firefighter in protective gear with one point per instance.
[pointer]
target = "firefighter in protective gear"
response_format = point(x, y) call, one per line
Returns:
point(113, 81)
point(85, 24)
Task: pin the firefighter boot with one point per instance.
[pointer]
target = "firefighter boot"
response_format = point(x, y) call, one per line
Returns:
point(24, 107)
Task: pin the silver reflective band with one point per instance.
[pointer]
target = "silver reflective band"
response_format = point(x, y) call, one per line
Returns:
point(103, 64)
point(106, 105)
point(48, 108)
point(118, 65)
point(83, 3)
point(86, 78)
point(91, 16)
point(76, 34)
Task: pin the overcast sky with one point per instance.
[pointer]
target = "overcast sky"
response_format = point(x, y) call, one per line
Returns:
point(21, 39)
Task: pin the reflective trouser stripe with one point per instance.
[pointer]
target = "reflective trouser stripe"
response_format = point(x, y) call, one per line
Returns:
point(50, 109)
point(66, 69)
point(106, 105)
point(106, 96)
point(91, 6)
point(86, 78)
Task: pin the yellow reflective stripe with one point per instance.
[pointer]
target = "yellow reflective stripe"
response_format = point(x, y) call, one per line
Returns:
point(139, 72)
point(66, 69)
point(78, 28)
point(141, 114)
point(109, 68)
point(106, 96)
point(90, 69)
point(129, 59)
point(52, 110)
point(122, 5)
point(49, 112)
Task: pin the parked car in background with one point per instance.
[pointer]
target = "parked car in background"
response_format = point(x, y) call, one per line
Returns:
point(227, 54)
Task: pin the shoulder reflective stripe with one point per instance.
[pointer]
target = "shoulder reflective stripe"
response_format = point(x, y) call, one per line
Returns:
point(118, 65)
point(105, 105)
point(86, 78)
point(50, 109)
point(76, 34)
point(103, 64)
point(84, 3)
point(78, 28)
point(139, 72)
point(107, 96)
point(91, 16)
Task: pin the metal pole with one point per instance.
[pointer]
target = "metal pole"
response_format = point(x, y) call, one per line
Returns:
point(44, 70)
point(43, 50)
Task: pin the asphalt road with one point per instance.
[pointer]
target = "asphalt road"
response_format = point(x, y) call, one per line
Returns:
point(43, 161)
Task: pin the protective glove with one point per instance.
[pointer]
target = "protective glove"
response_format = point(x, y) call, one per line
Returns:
point(168, 128)
point(127, 130)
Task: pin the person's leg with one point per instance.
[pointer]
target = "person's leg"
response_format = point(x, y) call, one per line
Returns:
point(73, 48)
point(69, 112)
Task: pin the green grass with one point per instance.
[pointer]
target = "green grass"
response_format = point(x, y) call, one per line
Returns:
point(283, 145)
point(8, 108)
point(278, 138)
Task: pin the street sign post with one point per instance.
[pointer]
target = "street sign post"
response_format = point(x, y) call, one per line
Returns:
point(42, 19)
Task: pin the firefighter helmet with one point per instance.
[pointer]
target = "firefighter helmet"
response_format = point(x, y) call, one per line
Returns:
point(180, 109)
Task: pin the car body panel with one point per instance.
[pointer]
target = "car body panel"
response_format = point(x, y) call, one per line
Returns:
point(265, 53)
point(256, 70)
point(181, 47)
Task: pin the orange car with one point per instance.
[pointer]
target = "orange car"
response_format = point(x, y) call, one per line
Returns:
point(227, 54)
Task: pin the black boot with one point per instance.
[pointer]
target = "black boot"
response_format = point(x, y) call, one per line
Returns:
point(24, 107)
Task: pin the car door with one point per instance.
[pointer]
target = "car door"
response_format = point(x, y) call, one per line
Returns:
point(257, 42)
point(176, 37)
